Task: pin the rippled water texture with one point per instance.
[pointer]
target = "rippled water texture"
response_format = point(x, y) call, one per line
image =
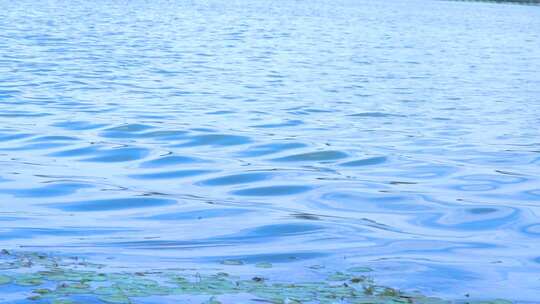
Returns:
point(397, 135)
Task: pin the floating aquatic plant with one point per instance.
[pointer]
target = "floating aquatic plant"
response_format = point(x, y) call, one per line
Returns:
point(61, 280)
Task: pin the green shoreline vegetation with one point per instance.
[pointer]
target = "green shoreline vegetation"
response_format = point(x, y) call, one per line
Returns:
point(53, 279)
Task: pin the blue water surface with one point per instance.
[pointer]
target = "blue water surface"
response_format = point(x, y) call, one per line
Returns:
point(399, 135)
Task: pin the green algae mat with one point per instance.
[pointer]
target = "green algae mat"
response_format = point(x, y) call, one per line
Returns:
point(44, 278)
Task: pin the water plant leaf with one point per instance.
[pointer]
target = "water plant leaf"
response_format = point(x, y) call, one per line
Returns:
point(62, 301)
point(263, 265)
point(232, 262)
point(4, 279)
point(115, 299)
point(29, 280)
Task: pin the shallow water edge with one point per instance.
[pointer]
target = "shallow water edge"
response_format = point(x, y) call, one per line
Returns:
point(32, 277)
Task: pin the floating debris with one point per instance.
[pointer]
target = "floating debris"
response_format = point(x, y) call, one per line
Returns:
point(57, 280)
point(263, 265)
point(4, 279)
point(232, 262)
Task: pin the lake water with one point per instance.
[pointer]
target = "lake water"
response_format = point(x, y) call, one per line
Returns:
point(397, 135)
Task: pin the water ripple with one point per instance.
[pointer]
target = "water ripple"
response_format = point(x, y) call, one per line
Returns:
point(313, 156)
point(273, 190)
point(401, 136)
point(112, 204)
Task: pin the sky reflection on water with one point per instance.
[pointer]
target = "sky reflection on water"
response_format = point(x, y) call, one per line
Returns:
point(397, 135)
